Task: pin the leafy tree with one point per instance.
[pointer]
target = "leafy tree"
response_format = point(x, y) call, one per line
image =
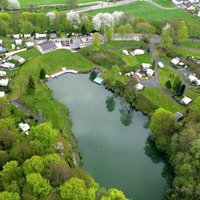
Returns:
point(177, 85)
point(9, 196)
point(93, 75)
point(75, 188)
point(168, 84)
point(126, 114)
point(45, 134)
point(42, 74)
point(96, 40)
point(4, 158)
point(163, 125)
point(194, 111)
point(3, 4)
point(54, 158)
point(109, 34)
point(145, 28)
point(114, 194)
point(7, 139)
point(130, 92)
point(40, 186)
point(26, 27)
point(182, 32)
point(182, 89)
point(31, 85)
point(166, 39)
point(122, 31)
point(5, 107)
point(33, 165)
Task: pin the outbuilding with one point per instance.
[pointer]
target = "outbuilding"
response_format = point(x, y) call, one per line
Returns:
point(24, 127)
point(178, 116)
point(18, 59)
point(186, 100)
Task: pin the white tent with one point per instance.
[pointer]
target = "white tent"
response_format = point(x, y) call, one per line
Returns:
point(161, 65)
point(186, 100)
point(24, 127)
point(2, 94)
point(175, 61)
point(139, 86)
point(4, 82)
point(2, 73)
point(138, 52)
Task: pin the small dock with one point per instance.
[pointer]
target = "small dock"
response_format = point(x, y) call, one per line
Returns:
point(63, 71)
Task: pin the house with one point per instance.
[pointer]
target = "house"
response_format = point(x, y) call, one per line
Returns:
point(4, 82)
point(98, 80)
point(175, 61)
point(178, 116)
point(47, 46)
point(150, 72)
point(161, 65)
point(8, 65)
point(75, 44)
point(186, 100)
point(18, 59)
point(190, 7)
point(24, 127)
point(125, 52)
point(139, 86)
point(29, 44)
point(2, 73)
point(137, 52)
point(39, 36)
point(192, 78)
point(146, 66)
point(18, 42)
point(2, 94)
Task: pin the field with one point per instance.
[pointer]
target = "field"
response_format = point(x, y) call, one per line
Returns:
point(165, 3)
point(26, 3)
point(151, 13)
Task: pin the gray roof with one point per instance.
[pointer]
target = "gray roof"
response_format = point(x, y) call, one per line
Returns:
point(16, 57)
point(178, 116)
point(48, 46)
point(76, 44)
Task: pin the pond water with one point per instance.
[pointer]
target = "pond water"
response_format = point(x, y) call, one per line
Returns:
point(111, 138)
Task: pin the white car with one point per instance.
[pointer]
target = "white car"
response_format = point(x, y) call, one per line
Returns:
point(161, 65)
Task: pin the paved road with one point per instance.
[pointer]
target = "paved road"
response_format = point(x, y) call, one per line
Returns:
point(25, 110)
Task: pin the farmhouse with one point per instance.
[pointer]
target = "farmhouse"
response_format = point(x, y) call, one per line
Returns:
point(47, 47)
point(18, 59)
point(186, 100)
point(4, 82)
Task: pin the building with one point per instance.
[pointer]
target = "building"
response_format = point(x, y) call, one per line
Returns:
point(186, 100)
point(4, 82)
point(29, 44)
point(39, 36)
point(190, 7)
point(24, 127)
point(139, 86)
point(98, 80)
point(47, 47)
point(150, 72)
point(2, 73)
point(18, 59)
point(8, 65)
point(27, 35)
point(75, 44)
point(175, 61)
point(178, 116)
point(192, 78)
point(197, 82)
point(18, 42)
point(161, 65)
point(146, 66)
point(16, 36)
point(177, 2)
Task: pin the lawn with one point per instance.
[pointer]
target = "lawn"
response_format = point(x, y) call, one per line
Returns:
point(26, 3)
point(165, 3)
point(166, 74)
point(191, 44)
point(149, 12)
point(30, 54)
point(186, 52)
point(157, 97)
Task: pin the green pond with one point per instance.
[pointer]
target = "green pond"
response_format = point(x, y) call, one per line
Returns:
point(111, 138)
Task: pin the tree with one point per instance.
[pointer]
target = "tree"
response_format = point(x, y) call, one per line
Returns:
point(109, 34)
point(45, 134)
point(163, 125)
point(177, 85)
point(122, 31)
point(42, 74)
point(182, 89)
point(40, 186)
point(7, 139)
point(114, 194)
point(166, 39)
point(93, 75)
point(75, 188)
point(194, 111)
point(26, 27)
point(145, 28)
point(96, 40)
point(31, 85)
point(71, 3)
point(168, 84)
point(5, 107)
point(182, 32)
point(114, 72)
point(33, 165)
point(4, 158)
point(9, 196)
point(110, 104)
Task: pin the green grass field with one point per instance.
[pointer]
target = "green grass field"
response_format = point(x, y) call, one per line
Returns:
point(151, 13)
point(26, 3)
point(166, 74)
point(156, 96)
point(165, 3)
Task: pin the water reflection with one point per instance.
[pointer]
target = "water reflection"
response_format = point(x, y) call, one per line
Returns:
point(110, 104)
point(126, 113)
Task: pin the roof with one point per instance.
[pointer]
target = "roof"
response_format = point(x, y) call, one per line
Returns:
point(2, 73)
point(146, 65)
point(175, 61)
point(48, 46)
point(2, 49)
point(150, 72)
point(98, 80)
point(139, 86)
point(76, 44)
point(186, 100)
point(18, 58)
point(178, 116)
point(138, 52)
point(160, 64)
point(4, 82)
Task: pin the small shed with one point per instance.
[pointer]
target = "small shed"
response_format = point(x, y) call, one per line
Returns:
point(98, 80)
point(186, 100)
point(178, 116)
point(4, 82)
point(18, 59)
